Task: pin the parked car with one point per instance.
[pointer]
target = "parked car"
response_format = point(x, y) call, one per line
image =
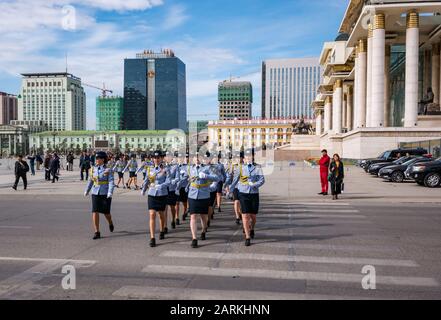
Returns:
point(392, 155)
point(396, 172)
point(375, 167)
point(427, 174)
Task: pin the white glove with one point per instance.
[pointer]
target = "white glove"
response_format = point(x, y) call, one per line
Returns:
point(86, 194)
point(182, 171)
point(202, 175)
point(157, 186)
point(142, 193)
point(251, 184)
point(213, 185)
point(109, 196)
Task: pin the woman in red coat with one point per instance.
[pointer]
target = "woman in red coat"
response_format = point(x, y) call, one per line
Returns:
point(324, 170)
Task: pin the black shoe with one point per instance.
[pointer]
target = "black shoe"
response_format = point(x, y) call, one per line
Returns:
point(165, 230)
point(325, 193)
point(219, 209)
point(238, 222)
point(173, 225)
point(162, 236)
point(15, 188)
point(184, 216)
point(111, 227)
point(152, 242)
point(97, 236)
point(252, 234)
point(194, 244)
point(321, 193)
point(178, 222)
point(247, 242)
point(208, 223)
point(203, 236)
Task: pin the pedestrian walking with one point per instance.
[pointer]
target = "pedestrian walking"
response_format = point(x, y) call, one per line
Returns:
point(324, 170)
point(249, 178)
point(155, 185)
point(20, 170)
point(200, 180)
point(31, 159)
point(54, 167)
point(46, 164)
point(336, 176)
point(220, 185)
point(70, 160)
point(234, 192)
point(101, 186)
point(85, 165)
point(120, 164)
point(171, 167)
point(182, 175)
point(39, 161)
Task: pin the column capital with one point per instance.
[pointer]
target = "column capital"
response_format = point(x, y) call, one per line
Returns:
point(362, 45)
point(328, 100)
point(338, 84)
point(412, 20)
point(370, 30)
point(379, 21)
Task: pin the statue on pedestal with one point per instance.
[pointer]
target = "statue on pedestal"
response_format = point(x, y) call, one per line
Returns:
point(303, 128)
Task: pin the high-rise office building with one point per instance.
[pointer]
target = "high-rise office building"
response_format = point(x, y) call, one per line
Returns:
point(235, 100)
point(289, 86)
point(109, 113)
point(155, 92)
point(8, 108)
point(58, 99)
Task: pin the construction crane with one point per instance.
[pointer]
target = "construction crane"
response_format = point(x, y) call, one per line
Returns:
point(103, 89)
point(239, 77)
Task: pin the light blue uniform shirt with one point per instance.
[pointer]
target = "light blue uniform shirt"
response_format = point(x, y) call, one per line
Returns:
point(182, 174)
point(200, 188)
point(156, 182)
point(171, 176)
point(248, 178)
point(119, 166)
point(144, 166)
point(101, 181)
point(132, 166)
point(217, 169)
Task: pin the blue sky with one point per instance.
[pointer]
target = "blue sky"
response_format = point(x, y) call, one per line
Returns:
point(214, 38)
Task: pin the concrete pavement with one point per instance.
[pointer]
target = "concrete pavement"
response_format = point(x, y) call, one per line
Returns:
point(306, 246)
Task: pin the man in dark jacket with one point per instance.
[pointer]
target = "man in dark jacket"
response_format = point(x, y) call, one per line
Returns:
point(54, 167)
point(20, 170)
point(70, 160)
point(46, 164)
point(84, 165)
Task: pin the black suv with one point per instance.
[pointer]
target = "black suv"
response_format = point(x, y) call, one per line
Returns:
point(427, 174)
point(375, 167)
point(396, 172)
point(391, 155)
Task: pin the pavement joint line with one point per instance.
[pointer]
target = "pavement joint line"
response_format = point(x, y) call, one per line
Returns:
point(293, 258)
point(85, 262)
point(307, 215)
point(290, 275)
point(15, 227)
point(291, 211)
point(168, 293)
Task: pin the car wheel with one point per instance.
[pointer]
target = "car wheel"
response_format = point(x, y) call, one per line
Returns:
point(432, 180)
point(397, 176)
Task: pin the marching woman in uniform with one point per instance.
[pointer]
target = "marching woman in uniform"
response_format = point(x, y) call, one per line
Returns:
point(234, 191)
point(172, 198)
point(132, 166)
point(120, 164)
point(249, 178)
point(200, 180)
point(220, 184)
point(145, 164)
point(101, 185)
point(156, 184)
point(182, 174)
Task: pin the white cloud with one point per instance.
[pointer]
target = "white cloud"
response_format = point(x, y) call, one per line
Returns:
point(176, 16)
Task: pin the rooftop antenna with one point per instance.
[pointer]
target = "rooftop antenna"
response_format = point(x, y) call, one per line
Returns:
point(66, 60)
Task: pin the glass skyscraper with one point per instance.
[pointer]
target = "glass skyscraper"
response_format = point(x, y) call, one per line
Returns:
point(155, 92)
point(289, 86)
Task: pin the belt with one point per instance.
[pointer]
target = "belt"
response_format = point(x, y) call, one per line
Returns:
point(198, 186)
point(100, 183)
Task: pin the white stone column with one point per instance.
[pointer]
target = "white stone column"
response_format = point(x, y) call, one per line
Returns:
point(387, 87)
point(427, 80)
point(369, 77)
point(378, 62)
point(361, 84)
point(318, 123)
point(355, 90)
point(349, 108)
point(328, 119)
point(411, 83)
point(337, 107)
point(343, 110)
point(435, 73)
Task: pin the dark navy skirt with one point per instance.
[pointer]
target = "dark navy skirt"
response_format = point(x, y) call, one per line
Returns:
point(220, 186)
point(157, 203)
point(236, 194)
point(172, 198)
point(212, 198)
point(199, 206)
point(249, 202)
point(101, 204)
point(183, 195)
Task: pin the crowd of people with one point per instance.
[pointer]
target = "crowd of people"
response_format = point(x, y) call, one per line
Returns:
point(172, 181)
